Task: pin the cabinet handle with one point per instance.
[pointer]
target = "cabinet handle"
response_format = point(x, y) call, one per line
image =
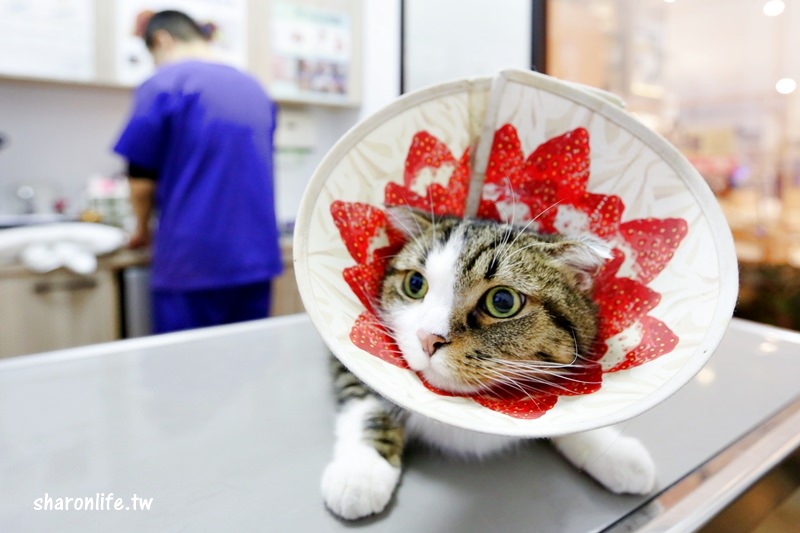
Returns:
point(44, 287)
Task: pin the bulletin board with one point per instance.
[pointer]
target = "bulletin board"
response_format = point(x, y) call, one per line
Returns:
point(304, 51)
point(309, 51)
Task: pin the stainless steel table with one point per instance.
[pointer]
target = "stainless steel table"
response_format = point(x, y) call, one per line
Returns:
point(229, 428)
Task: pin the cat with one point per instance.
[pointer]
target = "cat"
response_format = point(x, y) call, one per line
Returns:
point(474, 305)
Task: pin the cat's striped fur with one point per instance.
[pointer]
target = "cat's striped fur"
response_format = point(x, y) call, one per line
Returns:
point(474, 305)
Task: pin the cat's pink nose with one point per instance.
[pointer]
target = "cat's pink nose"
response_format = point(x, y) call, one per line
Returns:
point(430, 341)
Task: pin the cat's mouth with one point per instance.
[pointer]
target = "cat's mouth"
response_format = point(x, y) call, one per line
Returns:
point(449, 374)
point(448, 384)
point(441, 374)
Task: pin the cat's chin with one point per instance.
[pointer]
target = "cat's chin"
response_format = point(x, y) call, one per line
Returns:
point(447, 384)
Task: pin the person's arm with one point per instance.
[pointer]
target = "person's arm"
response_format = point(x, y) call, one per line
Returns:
point(141, 145)
point(142, 183)
point(142, 200)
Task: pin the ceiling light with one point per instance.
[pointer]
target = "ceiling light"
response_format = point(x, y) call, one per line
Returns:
point(786, 86)
point(773, 8)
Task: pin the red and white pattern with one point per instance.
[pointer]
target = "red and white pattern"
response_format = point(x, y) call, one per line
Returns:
point(548, 187)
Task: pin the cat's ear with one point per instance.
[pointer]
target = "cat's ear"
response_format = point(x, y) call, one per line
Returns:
point(412, 222)
point(584, 255)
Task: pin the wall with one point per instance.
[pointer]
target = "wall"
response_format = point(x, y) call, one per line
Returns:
point(449, 39)
point(58, 135)
point(381, 85)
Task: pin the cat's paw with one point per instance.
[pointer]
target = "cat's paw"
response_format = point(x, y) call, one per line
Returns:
point(627, 468)
point(360, 486)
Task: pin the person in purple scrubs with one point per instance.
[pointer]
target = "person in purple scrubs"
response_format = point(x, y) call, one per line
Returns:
point(199, 147)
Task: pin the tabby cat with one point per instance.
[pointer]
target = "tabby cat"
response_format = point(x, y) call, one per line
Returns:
point(474, 305)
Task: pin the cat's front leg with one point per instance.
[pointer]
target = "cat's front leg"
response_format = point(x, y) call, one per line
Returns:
point(365, 469)
point(621, 464)
point(366, 465)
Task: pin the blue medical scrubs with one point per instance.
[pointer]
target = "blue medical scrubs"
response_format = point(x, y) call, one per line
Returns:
point(206, 131)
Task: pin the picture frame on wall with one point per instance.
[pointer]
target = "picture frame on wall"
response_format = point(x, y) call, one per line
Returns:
point(308, 51)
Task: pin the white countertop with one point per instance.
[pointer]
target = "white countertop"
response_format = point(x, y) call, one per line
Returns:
point(229, 429)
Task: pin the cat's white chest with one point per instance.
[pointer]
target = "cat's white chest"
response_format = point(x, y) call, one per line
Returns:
point(454, 440)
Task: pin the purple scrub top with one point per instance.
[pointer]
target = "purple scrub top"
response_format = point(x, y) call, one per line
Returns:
point(207, 130)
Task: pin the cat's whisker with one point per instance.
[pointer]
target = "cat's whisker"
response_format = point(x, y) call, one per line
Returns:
point(536, 364)
point(524, 382)
point(534, 367)
point(527, 389)
point(500, 249)
point(433, 216)
point(502, 381)
point(545, 210)
point(538, 373)
point(406, 229)
point(513, 201)
point(524, 228)
point(528, 247)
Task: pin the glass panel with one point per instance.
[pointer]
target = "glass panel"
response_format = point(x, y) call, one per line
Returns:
point(706, 76)
point(450, 39)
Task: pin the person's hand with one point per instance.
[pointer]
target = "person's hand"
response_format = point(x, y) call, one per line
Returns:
point(139, 239)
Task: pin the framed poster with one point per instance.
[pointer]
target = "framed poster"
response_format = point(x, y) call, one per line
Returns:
point(311, 49)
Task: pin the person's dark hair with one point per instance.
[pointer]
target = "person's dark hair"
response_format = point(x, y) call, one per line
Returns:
point(178, 24)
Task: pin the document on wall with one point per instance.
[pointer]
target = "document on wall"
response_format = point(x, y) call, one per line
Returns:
point(311, 49)
point(225, 22)
point(50, 39)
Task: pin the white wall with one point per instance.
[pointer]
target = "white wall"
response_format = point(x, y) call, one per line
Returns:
point(381, 68)
point(59, 135)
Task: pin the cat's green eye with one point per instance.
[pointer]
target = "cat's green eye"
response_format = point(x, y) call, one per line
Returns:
point(502, 302)
point(415, 285)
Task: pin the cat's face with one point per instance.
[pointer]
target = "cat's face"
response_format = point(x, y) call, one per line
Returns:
point(475, 305)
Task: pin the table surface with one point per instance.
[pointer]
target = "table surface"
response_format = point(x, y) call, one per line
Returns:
point(229, 428)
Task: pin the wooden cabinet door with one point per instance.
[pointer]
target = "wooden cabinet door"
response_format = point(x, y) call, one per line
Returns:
point(57, 310)
point(285, 296)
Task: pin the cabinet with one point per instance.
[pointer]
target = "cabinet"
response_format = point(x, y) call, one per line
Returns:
point(41, 312)
point(285, 296)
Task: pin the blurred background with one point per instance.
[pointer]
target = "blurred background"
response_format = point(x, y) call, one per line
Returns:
point(717, 78)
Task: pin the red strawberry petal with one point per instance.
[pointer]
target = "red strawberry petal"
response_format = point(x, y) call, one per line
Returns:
point(564, 161)
point(358, 223)
point(459, 180)
point(444, 202)
point(621, 302)
point(505, 158)
point(365, 281)
point(398, 195)
point(488, 211)
point(527, 408)
point(609, 269)
point(426, 151)
point(369, 334)
point(654, 241)
point(605, 211)
point(658, 339)
point(585, 379)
